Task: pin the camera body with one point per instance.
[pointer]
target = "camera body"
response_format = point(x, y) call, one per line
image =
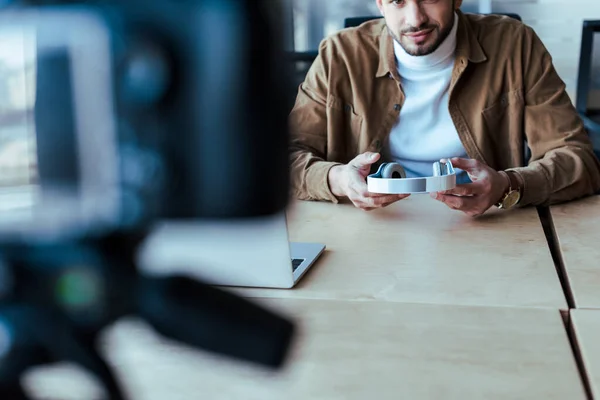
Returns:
point(153, 110)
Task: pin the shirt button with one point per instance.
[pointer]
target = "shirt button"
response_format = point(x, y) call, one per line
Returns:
point(347, 108)
point(397, 107)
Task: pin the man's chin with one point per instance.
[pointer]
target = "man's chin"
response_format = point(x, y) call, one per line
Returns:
point(418, 50)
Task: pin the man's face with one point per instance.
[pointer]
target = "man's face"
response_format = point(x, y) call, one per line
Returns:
point(420, 26)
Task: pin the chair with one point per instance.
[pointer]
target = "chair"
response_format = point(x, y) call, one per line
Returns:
point(591, 118)
point(300, 62)
point(356, 21)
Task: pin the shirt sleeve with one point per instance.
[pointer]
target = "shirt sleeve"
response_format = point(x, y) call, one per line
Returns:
point(308, 129)
point(562, 165)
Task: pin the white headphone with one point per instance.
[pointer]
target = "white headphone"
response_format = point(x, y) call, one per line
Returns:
point(391, 178)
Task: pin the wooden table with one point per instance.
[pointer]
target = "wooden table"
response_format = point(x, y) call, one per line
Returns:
point(419, 251)
point(577, 226)
point(360, 350)
point(586, 325)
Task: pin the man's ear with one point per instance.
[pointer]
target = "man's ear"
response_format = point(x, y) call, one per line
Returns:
point(457, 4)
point(380, 6)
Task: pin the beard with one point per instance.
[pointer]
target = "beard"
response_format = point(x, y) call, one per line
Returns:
point(437, 37)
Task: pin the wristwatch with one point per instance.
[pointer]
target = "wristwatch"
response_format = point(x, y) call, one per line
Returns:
point(513, 195)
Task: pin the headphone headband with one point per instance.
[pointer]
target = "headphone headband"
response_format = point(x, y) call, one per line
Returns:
point(391, 178)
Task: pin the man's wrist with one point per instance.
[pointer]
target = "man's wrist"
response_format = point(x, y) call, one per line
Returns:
point(512, 185)
point(507, 182)
point(333, 180)
point(516, 181)
point(506, 187)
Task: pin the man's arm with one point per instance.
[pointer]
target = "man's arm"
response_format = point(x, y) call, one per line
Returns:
point(308, 127)
point(563, 166)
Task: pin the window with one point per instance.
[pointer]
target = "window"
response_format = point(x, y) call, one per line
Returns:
point(17, 94)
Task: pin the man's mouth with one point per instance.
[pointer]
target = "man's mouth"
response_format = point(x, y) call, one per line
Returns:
point(420, 35)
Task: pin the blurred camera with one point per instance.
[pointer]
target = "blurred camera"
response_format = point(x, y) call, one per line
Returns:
point(135, 111)
point(123, 113)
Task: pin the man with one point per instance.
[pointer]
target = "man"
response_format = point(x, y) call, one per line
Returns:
point(428, 82)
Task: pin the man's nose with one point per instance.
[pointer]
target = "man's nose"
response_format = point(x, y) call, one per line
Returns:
point(414, 15)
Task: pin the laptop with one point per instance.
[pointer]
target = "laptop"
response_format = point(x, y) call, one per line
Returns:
point(253, 252)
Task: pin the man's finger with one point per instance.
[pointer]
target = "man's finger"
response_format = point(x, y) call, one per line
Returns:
point(466, 164)
point(379, 201)
point(465, 204)
point(361, 205)
point(361, 193)
point(369, 204)
point(362, 190)
point(364, 159)
point(384, 205)
point(467, 189)
point(366, 193)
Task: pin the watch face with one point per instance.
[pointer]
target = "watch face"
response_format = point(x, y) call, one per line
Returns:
point(511, 199)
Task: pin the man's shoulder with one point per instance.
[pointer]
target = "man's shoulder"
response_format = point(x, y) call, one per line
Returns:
point(363, 40)
point(494, 29)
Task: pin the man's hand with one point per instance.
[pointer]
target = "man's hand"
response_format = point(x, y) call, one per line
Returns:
point(475, 198)
point(350, 181)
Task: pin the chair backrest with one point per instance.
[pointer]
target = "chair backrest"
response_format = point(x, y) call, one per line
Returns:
point(591, 118)
point(511, 15)
point(356, 21)
point(584, 78)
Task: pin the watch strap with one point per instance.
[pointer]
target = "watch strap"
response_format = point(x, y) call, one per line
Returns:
point(514, 184)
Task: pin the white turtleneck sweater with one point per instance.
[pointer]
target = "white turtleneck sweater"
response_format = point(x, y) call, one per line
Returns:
point(425, 132)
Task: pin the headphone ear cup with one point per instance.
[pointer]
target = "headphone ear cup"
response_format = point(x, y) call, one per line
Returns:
point(393, 171)
point(442, 168)
point(438, 169)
